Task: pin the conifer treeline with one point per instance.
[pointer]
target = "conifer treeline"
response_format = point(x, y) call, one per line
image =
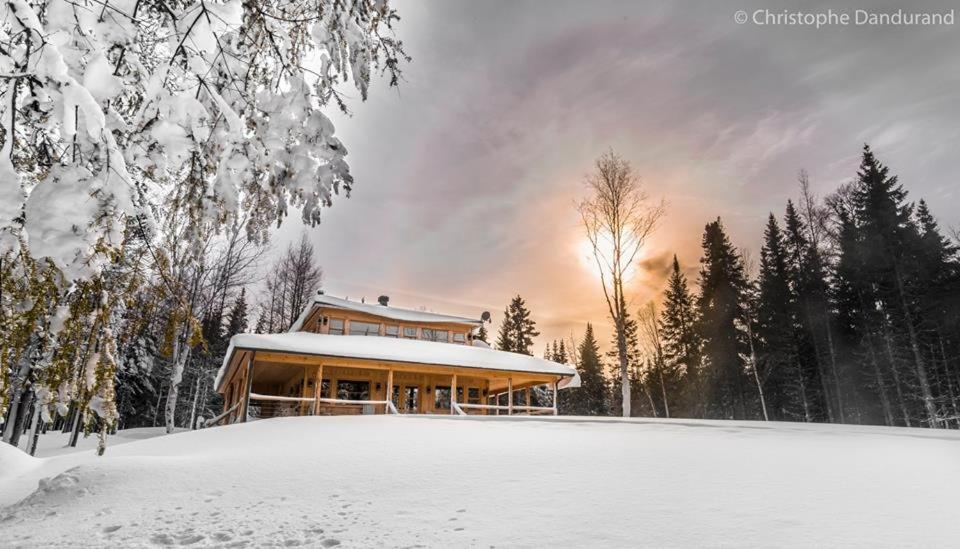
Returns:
point(853, 316)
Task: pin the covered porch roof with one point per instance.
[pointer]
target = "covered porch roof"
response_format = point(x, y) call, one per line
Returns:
point(385, 349)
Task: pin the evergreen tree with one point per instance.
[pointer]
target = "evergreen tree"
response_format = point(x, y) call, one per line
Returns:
point(806, 279)
point(482, 334)
point(517, 329)
point(776, 350)
point(681, 342)
point(889, 241)
point(720, 309)
point(590, 399)
point(560, 353)
point(237, 319)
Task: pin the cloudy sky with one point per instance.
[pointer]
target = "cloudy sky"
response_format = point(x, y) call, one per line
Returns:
point(467, 175)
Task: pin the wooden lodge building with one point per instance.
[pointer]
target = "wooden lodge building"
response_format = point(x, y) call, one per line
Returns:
point(348, 357)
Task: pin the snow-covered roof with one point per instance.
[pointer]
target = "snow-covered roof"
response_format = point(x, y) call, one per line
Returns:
point(386, 311)
point(391, 350)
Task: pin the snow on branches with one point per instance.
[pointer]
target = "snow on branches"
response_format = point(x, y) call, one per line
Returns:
point(114, 113)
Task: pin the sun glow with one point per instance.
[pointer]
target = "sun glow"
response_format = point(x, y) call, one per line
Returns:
point(589, 260)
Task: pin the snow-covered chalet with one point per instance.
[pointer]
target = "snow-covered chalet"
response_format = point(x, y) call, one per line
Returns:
point(349, 357)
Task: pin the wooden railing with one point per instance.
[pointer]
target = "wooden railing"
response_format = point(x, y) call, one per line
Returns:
point(214, 421)
point(459, 408)
point(389, 404)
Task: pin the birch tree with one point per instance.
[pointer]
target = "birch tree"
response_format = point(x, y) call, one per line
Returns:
point(618, 216)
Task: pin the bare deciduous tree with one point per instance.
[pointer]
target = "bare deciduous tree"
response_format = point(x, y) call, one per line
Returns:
point(293, 278)
point(618, 217)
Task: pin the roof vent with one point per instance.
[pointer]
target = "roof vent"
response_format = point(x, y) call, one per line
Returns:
point(319, 292)
point(383, 300)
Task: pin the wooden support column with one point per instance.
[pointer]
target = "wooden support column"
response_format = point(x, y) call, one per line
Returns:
point(509, 396)
point(526, 397)
point(303, 392)
point(317, 390)
point(248, 382)
point(555, 397)
point(453, 394)
point(389, 391)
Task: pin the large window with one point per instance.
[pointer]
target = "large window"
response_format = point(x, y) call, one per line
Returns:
point(358, 328)
point(459, 337)
point(443, 398)
point(473, 395)
point(391, 330)
point(409, 332)
point(353, 390)
point(435, 335)
point(336, 326)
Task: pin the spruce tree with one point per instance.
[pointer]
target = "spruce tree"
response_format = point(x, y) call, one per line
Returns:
point(806, 279)
point(237, 318)
point(517, 329)
point(560, 353)
point(889, 241)
point(720, 308)
point(590, 399)
point(778, 363)
point(681, 343)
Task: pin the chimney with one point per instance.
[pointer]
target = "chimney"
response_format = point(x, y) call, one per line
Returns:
point(383, 300)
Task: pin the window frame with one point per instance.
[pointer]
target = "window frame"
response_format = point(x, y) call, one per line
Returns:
point(367, 332)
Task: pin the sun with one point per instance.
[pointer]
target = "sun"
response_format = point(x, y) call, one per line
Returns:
point(586, 257)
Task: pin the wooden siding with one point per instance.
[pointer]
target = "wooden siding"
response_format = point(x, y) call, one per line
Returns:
point(313, 322)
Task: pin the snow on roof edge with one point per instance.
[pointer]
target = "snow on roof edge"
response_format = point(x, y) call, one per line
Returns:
point(395, 313)
point(391, 350)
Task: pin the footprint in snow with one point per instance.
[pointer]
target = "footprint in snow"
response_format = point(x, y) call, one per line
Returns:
point(111, 529)
point(330, 542)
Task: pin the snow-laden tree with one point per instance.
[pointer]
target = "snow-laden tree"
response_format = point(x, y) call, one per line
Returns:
point(115, 112)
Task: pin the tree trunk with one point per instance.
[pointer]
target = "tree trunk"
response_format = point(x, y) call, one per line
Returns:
point(663, 389)
point(624, 374)
point(181, 353)
point(193, 405)
point(817, 355)
point(918, 361)
point(896, 375)
point(77, 424)
point(833, 365)
point(22, 414)
point(36, 428)
point(801, 378)
point(881, 387)
point(18, 390)
point(756, 375)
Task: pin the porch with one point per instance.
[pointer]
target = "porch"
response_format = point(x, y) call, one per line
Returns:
point(268, 384)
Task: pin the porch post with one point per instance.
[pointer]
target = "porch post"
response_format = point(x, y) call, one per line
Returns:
point(389, 391)
point(453, 394)
point(526, 396)
point(555, 397)
point(249, 387)
point(302, 409)
point(509, 396)
point(317, 390)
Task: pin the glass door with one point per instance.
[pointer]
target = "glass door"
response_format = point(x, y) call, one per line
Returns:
point(411, 400)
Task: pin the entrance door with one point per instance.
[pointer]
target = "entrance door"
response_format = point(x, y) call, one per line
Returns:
point(407, 398)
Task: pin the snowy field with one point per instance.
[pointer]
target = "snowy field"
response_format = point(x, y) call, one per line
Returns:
point(381, 481)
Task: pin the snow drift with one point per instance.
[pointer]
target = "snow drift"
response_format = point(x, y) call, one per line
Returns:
point(371, 481)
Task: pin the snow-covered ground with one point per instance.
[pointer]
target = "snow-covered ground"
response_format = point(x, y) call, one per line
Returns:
point(482, 482)
point(56, 443)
